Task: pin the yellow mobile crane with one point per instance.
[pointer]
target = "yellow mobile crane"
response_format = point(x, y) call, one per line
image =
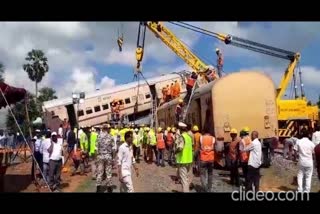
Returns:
point(292, 114)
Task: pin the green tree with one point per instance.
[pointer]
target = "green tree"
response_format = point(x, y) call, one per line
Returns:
point(19, 112)
point(36, 67)
point(46, 94)
point(2, 68)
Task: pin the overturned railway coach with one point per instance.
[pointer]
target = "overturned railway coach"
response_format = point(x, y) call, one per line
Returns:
point(245, 98)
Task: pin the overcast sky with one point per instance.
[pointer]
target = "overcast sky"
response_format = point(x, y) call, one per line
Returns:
point(84, 55)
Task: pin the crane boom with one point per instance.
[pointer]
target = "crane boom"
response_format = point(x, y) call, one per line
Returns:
point(294, 58)
point(175, 44)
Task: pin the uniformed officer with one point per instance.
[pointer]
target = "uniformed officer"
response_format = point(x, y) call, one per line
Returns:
point(106, 150)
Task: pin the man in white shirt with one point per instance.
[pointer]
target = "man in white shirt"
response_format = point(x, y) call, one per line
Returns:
point(125, 162)
point(45, 155)
point(305, 149)
point(316, 136)
point(254, 162)
point(55, 161)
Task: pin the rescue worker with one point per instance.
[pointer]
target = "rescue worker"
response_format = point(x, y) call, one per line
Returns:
point(168, 90)
point(178, 110)
point(184, 157)
point(160, 147)
point(210, 73)
point(152, 146)
point(219, 62)
point(172, 91)
point(164, 94)
point(84, 145)
point(78, 161)
point(145, 143)
point(254, 163)
point(106, 150)
point(136, 145)
point(196, 145)
point(244, 155)
point(177, 89)
point(206, 155)
point(92, 152)
point(191, 81)
point(169, 143)
point(233, 154)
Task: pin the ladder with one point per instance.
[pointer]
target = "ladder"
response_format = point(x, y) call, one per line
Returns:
point(185, 111)
point(153, 112)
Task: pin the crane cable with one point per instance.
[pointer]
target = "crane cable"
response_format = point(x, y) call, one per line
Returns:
point(237, 44)
point(244, 40)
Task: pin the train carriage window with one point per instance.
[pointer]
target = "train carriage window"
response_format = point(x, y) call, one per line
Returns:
point(89, 110)
point(105, 106)
point(80, 113)
point(127, 100)
point(148, 96)
point(97, 108)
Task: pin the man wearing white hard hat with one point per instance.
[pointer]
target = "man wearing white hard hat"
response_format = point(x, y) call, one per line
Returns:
point(184, 157)
point(55, 161)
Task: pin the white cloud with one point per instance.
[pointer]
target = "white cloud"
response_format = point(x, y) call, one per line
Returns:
point(107, 82)
point(126, 57)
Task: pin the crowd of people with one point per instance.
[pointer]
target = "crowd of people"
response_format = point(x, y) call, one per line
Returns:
point(192, 151)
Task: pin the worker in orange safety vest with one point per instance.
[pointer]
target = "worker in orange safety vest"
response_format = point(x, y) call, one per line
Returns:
point(233, 154)
point(191, 81)
point(196, 145)
point(244, 155)
point(177, 89)
point(206, 155)
point(160, 147)
point(169, 143)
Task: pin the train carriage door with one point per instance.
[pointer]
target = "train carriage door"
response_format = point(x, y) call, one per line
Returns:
point(71, 115)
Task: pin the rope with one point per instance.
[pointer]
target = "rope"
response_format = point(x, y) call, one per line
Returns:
point(32, 155)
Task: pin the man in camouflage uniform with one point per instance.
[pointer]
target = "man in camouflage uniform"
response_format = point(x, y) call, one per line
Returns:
point(106, 150)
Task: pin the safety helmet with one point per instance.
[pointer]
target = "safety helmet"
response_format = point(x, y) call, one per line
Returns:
point(168, 129)
point(195, 128)
point(246, 129)
point(217, 50)
point(180, 100)
point(136, 130)
point(159, 129)
point(233, 131)
point(173, 129)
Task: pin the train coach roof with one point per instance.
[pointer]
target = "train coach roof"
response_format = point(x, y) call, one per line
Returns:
point(151, 81)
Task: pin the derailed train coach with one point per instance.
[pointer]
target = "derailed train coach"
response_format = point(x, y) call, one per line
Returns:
point(237, 100)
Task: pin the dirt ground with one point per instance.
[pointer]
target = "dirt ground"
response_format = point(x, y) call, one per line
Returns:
point(153, 179)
